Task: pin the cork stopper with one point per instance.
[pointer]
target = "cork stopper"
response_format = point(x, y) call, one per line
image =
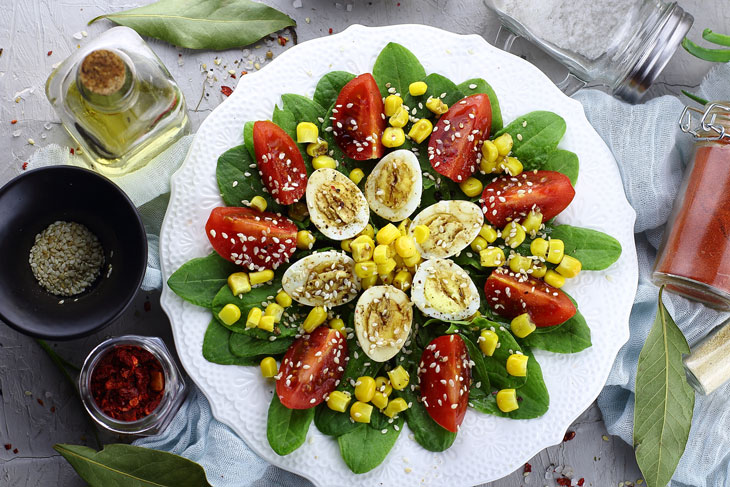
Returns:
point(102, 72)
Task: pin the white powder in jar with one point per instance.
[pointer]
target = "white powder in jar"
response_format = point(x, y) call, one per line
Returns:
point(585, 27)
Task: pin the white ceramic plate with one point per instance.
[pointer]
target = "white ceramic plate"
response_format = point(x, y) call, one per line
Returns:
point(487, 447)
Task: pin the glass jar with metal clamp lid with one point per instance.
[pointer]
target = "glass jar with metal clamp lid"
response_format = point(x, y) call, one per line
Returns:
point(694, 258)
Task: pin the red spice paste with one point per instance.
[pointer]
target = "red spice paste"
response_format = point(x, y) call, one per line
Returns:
point(698, 245)
point(127, 383)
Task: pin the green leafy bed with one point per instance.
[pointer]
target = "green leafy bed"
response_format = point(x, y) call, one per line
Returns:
point(202, 281)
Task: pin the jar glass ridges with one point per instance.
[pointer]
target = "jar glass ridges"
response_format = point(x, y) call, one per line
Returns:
point(118, 101)
point(174, 393)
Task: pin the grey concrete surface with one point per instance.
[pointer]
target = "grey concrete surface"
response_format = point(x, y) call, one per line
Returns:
point(37, 408)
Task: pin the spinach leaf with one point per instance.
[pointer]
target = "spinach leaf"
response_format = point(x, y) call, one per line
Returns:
point(257, 298)
point(364, 448)
point(238, 182)
point(563, 161)
point(479, 369)
point(595, 250)
point(535, 136)
point(286, 429)
point(216, 349)
point(437, 85)
point(569, 337)
point(247, 346)
point(533, 397)
point(285, 119)
point(496, 365)
point(397, 67)
point(248, 140)
point(481, 86)
point(199, 280)
point(303, 109)
point(329, 87)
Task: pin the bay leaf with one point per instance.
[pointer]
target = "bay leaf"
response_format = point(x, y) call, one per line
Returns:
point(203, 24)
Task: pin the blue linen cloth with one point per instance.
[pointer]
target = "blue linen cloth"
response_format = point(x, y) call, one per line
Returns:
point(651, 154)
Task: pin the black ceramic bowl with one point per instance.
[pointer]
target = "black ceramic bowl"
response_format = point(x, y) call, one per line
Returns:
point(34, 200)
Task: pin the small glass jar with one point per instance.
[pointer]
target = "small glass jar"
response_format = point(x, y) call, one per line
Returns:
point(118, 101)
point(694, 258)
point(708, 366)
point(173, 395)
point(622, 45)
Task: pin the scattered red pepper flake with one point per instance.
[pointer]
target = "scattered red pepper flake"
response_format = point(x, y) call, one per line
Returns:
point(72, 151)
point(569, 436)
point(53, 409)
point(233, 75)
point(581, 481)
point(25, 166)
point(283, 40)
point(49, 53)
point(244, 73)
point(40, 401)
point(565, 481)
point(226, 90)
point(8, 446)
point(15, 450)
point(330, 30)
point(528, 468)
point(13, 121)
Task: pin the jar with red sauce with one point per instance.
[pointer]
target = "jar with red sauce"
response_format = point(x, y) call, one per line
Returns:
point(131, 385)
point(694, 258)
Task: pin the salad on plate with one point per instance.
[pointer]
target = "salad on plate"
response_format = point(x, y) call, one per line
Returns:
point(388, 254)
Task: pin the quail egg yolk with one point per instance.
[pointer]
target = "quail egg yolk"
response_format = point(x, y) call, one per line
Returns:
point(447, 292)
point(394, 184)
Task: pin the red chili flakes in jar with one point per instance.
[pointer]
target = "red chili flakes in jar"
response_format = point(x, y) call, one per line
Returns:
point(128, 383)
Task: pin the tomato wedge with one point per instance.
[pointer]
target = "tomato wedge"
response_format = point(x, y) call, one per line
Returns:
point(282, 168)
point(254, 239)
point(358, 121)
point(312, 368)
point(511, 295)
point(455, 142)
point(445, 377)
point(509, 198)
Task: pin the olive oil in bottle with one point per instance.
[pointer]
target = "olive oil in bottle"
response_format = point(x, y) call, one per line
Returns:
point(118, 101)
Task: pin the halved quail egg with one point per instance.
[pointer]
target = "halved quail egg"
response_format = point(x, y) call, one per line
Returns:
point(336, 205)
point(442, 289)
point(322, 279)
point(453, 225)
point(394, 187)
point(383, 318)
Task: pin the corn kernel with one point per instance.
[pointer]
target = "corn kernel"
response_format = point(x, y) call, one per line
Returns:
point(421, 130)
point(364, 388)
point(569, 266)
point(519, 263)
point(397, 405)
point(488, 341)
point(268, 367)
point(405, 247)
point(362, 248)
point(239, 284)
point(517, 365)
point(229, 314)
point(507, 400)
point(513, 234)
point(490, 153)
point(382, 384)
point(253, 318)
point(479, 244)
point(421, 233)
point(403, 280)
point(259, 203)
point(556, 250)
point(336, 324)
point(360, 412)
point(399, 119)
point(393, 137)
point(338, 401)
point(382, 253)
point(392, 104)
point(471, 187)
point(307, 133)
point(316, 317)
point(417, 88)
point(260, 277)
point(318, 148)
point(387, 234)
point(554, 279)
point(488, 233)
point(504, 144)
point(266, 323)
point(356, 175)
point(532, 222)
point(512, 166)
point(522, 325)
point(404, 226)
point(369, 232)
point(345, 244)
point(398, 378)
point(369, 282)
point(379, 400)
point(386, 268)
point(538, 269)
point(436, 105)
point(492, 257)
point(539, 247)
point(274, 310)
point(399, 264)
point(413, 260)
point(366, 269)
point(305, 239)
point(489, 167)
point(387, 278)
point(283, 299)
point(320, 162)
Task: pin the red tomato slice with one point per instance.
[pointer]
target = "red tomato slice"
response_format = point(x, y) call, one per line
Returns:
point(509, 198)
point(511, 295)
point(312, 368)
point(280, 162)
point(254, 239)
point(455, 144)
point(445, 377)
point(359, 122)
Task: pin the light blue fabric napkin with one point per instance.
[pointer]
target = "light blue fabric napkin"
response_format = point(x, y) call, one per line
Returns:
point(651, 154)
